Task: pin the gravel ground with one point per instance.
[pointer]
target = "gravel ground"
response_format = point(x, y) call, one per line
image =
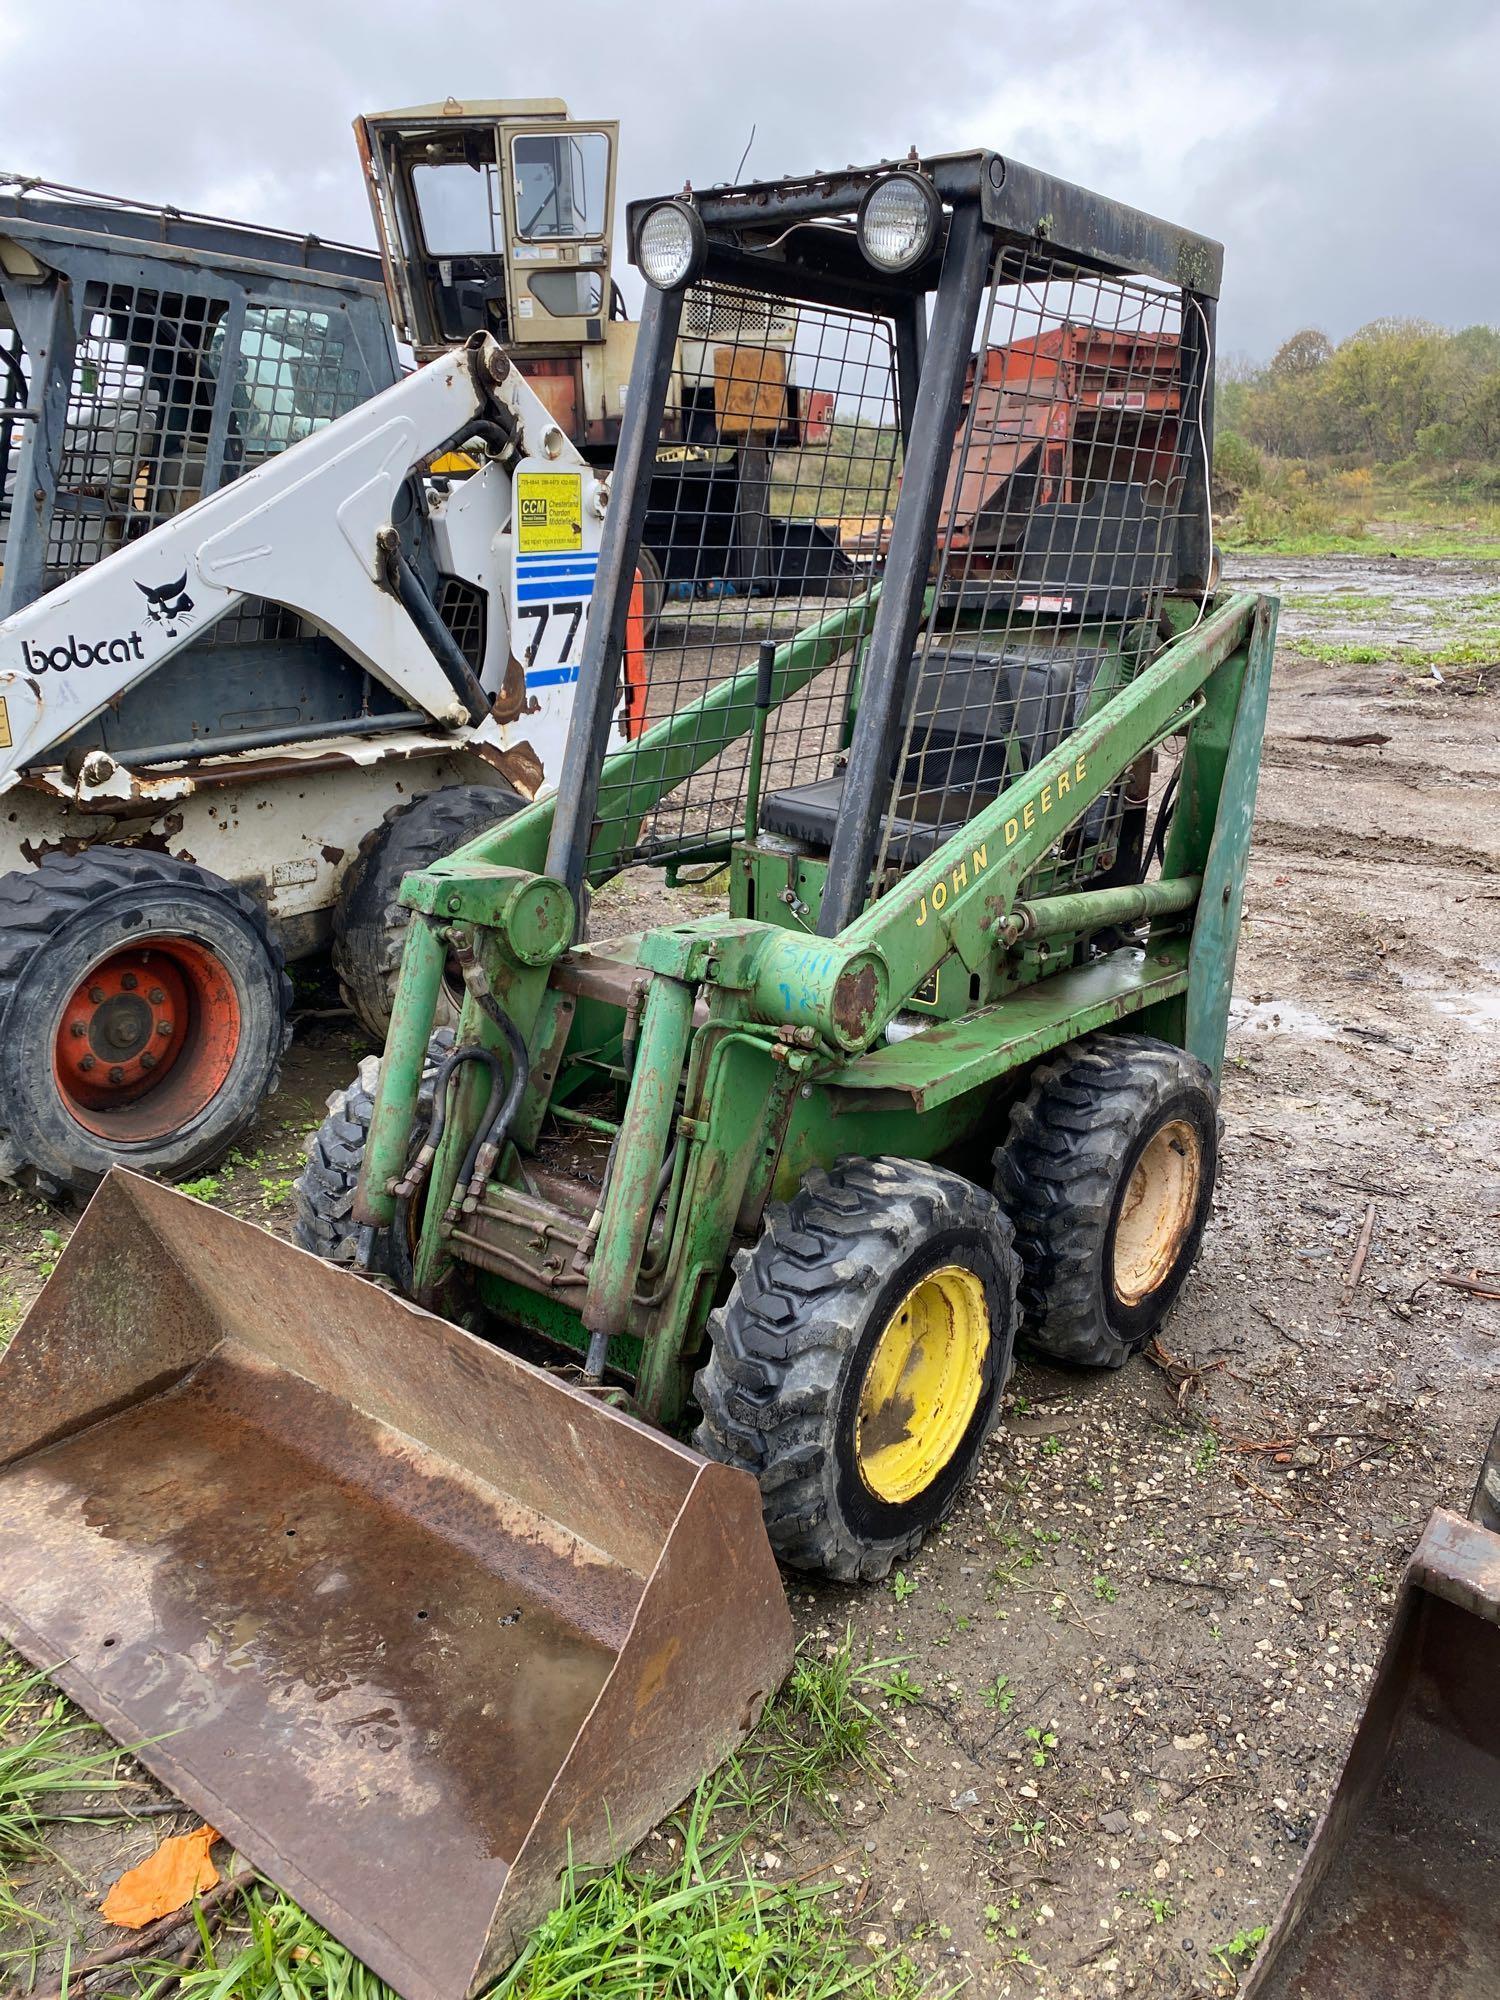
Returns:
point(1134, 1658)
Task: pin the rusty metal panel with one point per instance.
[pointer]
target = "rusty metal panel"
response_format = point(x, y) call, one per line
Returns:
point(383, 1602)
point(1399, 1895)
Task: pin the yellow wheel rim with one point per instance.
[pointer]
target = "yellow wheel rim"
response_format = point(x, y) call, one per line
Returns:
point(922, 1385)
point(1157, 1212)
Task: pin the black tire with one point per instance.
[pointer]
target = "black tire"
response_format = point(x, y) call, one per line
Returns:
point(792, 1348)
point(1078, 1171)
point(323, 1193)
point(369, 923)
point(185, 1040)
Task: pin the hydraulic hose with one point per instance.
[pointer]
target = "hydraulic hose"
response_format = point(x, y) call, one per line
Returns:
point(480, 1161)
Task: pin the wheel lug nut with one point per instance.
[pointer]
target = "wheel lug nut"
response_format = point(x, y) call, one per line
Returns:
point(117, 1075)
point(78, 1031)
point(96, 996)
point(148, 1060)
point(156, 996)
point(129, 981)
point(164, 1027)
point(87, 1063)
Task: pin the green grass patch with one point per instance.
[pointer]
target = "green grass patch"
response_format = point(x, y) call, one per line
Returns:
point(696, 1925)
point(270, 1950)
point(48, 1756)
point(822, 1721)
point(703, 1929)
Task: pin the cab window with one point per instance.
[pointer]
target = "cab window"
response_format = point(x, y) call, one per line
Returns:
point(459, 204)
point(561, 183)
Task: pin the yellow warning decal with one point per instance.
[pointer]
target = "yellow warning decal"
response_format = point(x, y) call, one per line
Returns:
point(5, 742)
point(549, 512)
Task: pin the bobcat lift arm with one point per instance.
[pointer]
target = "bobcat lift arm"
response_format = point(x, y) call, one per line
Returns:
point(315, 529)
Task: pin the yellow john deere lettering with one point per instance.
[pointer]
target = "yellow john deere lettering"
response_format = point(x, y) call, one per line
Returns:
point(957, 877)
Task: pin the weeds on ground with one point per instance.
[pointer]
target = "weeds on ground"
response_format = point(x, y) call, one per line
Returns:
point(1241, 1948)
point(48, 1755)
point(269, 1950)
point(701, 1926)
point(821, 1719)
point(705, 1926)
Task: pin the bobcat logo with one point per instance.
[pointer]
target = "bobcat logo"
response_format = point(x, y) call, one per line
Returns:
point(168, 603)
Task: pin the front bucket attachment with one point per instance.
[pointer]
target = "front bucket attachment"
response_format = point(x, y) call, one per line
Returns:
point(402, 1616)
point(1399, 1895)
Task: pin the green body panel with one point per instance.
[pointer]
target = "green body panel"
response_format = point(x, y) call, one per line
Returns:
point(750, 1049)
point(1216, 934)
point(954, 1058)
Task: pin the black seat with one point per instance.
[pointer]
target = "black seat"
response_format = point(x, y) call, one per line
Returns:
point(976, 720)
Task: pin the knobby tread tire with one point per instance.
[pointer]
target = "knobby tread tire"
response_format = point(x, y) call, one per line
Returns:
point(38, 905)
point(323, 1193)
point(369, 921)
point(1060, 1176)
point(795, 1326)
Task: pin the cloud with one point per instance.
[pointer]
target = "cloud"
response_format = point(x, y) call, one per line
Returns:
point(1343, 152)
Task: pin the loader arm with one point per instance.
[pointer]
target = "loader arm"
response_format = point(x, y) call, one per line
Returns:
point(305, 530)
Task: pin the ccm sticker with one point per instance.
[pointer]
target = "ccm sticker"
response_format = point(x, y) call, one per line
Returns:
point(1050, 798)
point(549, 512)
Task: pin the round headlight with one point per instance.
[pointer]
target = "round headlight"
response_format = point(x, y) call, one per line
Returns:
point(672, 245)
point(898, 221)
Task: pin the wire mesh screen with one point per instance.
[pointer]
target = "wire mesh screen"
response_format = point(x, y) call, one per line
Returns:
point(146, 432)
point(1057, 539)
point(775, 480)
point(139, 418)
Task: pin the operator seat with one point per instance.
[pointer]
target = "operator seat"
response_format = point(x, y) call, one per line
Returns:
point(975, 720)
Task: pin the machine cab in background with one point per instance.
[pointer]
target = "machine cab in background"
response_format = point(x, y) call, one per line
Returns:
point(498, 216)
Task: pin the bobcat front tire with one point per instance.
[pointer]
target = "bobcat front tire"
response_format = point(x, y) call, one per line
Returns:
point(369, 922)
point(143, 1016)
point(1108, 1174)
point(323, 1193)
point(857, 1365)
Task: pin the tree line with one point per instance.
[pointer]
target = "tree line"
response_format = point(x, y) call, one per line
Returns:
point(1399, 393)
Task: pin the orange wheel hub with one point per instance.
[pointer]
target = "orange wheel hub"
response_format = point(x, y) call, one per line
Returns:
point(147, 1039)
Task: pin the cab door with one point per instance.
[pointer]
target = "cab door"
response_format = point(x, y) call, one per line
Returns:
point(559, 187)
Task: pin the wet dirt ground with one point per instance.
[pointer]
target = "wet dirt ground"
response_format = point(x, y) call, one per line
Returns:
point(1134, 1657)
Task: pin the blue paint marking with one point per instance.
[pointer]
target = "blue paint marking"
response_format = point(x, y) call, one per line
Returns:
point(568, 590)
point(552, 677)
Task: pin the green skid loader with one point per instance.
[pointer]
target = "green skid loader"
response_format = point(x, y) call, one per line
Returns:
point(960, 811)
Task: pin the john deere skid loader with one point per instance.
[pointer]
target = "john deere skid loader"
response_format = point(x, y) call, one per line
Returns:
point(930, 1064)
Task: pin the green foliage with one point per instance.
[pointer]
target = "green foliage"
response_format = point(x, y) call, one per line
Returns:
point(1042, 1741)
point(702, 1927)
point(1302, 440)
point(1239, 468)
point(286, 1956)
point(821, 1720)
point(900, 1690)
point(48, 1756)
point(903, 1586)
point(1242, 1947)
point(999, 1695)
point(206, 1188)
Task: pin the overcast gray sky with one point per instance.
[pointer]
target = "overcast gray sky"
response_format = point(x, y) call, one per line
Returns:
point(1344, 150)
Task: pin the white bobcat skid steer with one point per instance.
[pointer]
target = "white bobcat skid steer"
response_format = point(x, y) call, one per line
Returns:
point(180, 819)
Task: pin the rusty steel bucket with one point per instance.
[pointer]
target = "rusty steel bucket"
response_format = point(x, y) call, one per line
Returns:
point(405, 1618)
point(1398, 1897)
